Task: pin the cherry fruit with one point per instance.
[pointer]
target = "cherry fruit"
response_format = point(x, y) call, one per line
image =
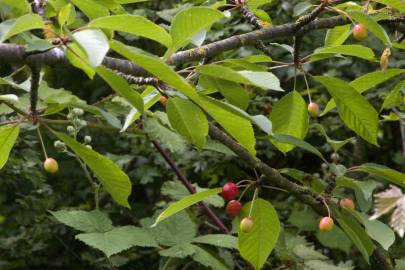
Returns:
point(313, 109)
point(51, 165)
point(326, 224)
point(360, 32)
point(163, 100)
point(230, 191)
point(233, 208)
point(246, 224)
point(348, 203)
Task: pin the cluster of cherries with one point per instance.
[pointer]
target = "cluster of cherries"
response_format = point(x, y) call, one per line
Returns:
point(359, 33)
point(229, 191)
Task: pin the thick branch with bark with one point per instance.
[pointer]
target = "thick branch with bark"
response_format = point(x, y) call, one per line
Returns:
point(11, 53)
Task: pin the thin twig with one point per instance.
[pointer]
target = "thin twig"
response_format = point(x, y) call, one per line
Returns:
point(208, 212)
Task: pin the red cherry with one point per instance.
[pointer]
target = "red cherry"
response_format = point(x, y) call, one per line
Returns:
point(360, 32)
point(313, 109)
point(345, 202)
point(230, 191)
point(246, 224)
point(51, 165)
point(326, 224)
point(233, 208)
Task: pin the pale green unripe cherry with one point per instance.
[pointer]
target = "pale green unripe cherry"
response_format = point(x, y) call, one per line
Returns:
point(246, 224)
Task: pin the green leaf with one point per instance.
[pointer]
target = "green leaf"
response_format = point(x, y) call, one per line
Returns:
point(264, 80)
point(176, 230)
point(24, 23)
point(150, 96)
point(67, 15)
point(188, 22)
point(395, 97)
point(236, 125)
point(352, 50)
point(92, 221)
point(337, 35)
point(358, 236)
point(257, 245)
point(91, 8)
point(78, 58)
point(120, 85)
point(398, 4)
point(134, 24)
point(94, 43)
point(366, 82)
point(335, 239)
point(172, 140)
point(188, 119)
point(219, 240)
point(354, 110)
point(372, 79)
point(384, 172)
point(156, 67)
point(233, 92)
point(118, 239)
point(8, 136)
point(209, 259)
point(186, 202)
point(21, 5)
point(336, 145)
point(178, 251)
point(222, 72)
point(289, 117)
point(176, 191)
point(114, 180)
point(297, 142)
point(371, 25)
point(301, 8)
point(379, 231)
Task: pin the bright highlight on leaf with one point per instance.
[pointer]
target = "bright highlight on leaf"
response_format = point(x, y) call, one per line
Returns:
point(186, 202)
point(134, 24)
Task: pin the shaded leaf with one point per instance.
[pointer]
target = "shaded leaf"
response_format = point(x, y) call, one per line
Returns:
point(85, 221)
point(118, 239)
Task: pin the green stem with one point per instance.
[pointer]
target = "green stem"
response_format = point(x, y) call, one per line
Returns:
point(253, 202)
point(42, 143)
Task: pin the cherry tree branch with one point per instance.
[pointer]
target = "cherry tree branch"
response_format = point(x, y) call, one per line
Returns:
point(380, 258)
point(12, 53)
point(208, 212)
